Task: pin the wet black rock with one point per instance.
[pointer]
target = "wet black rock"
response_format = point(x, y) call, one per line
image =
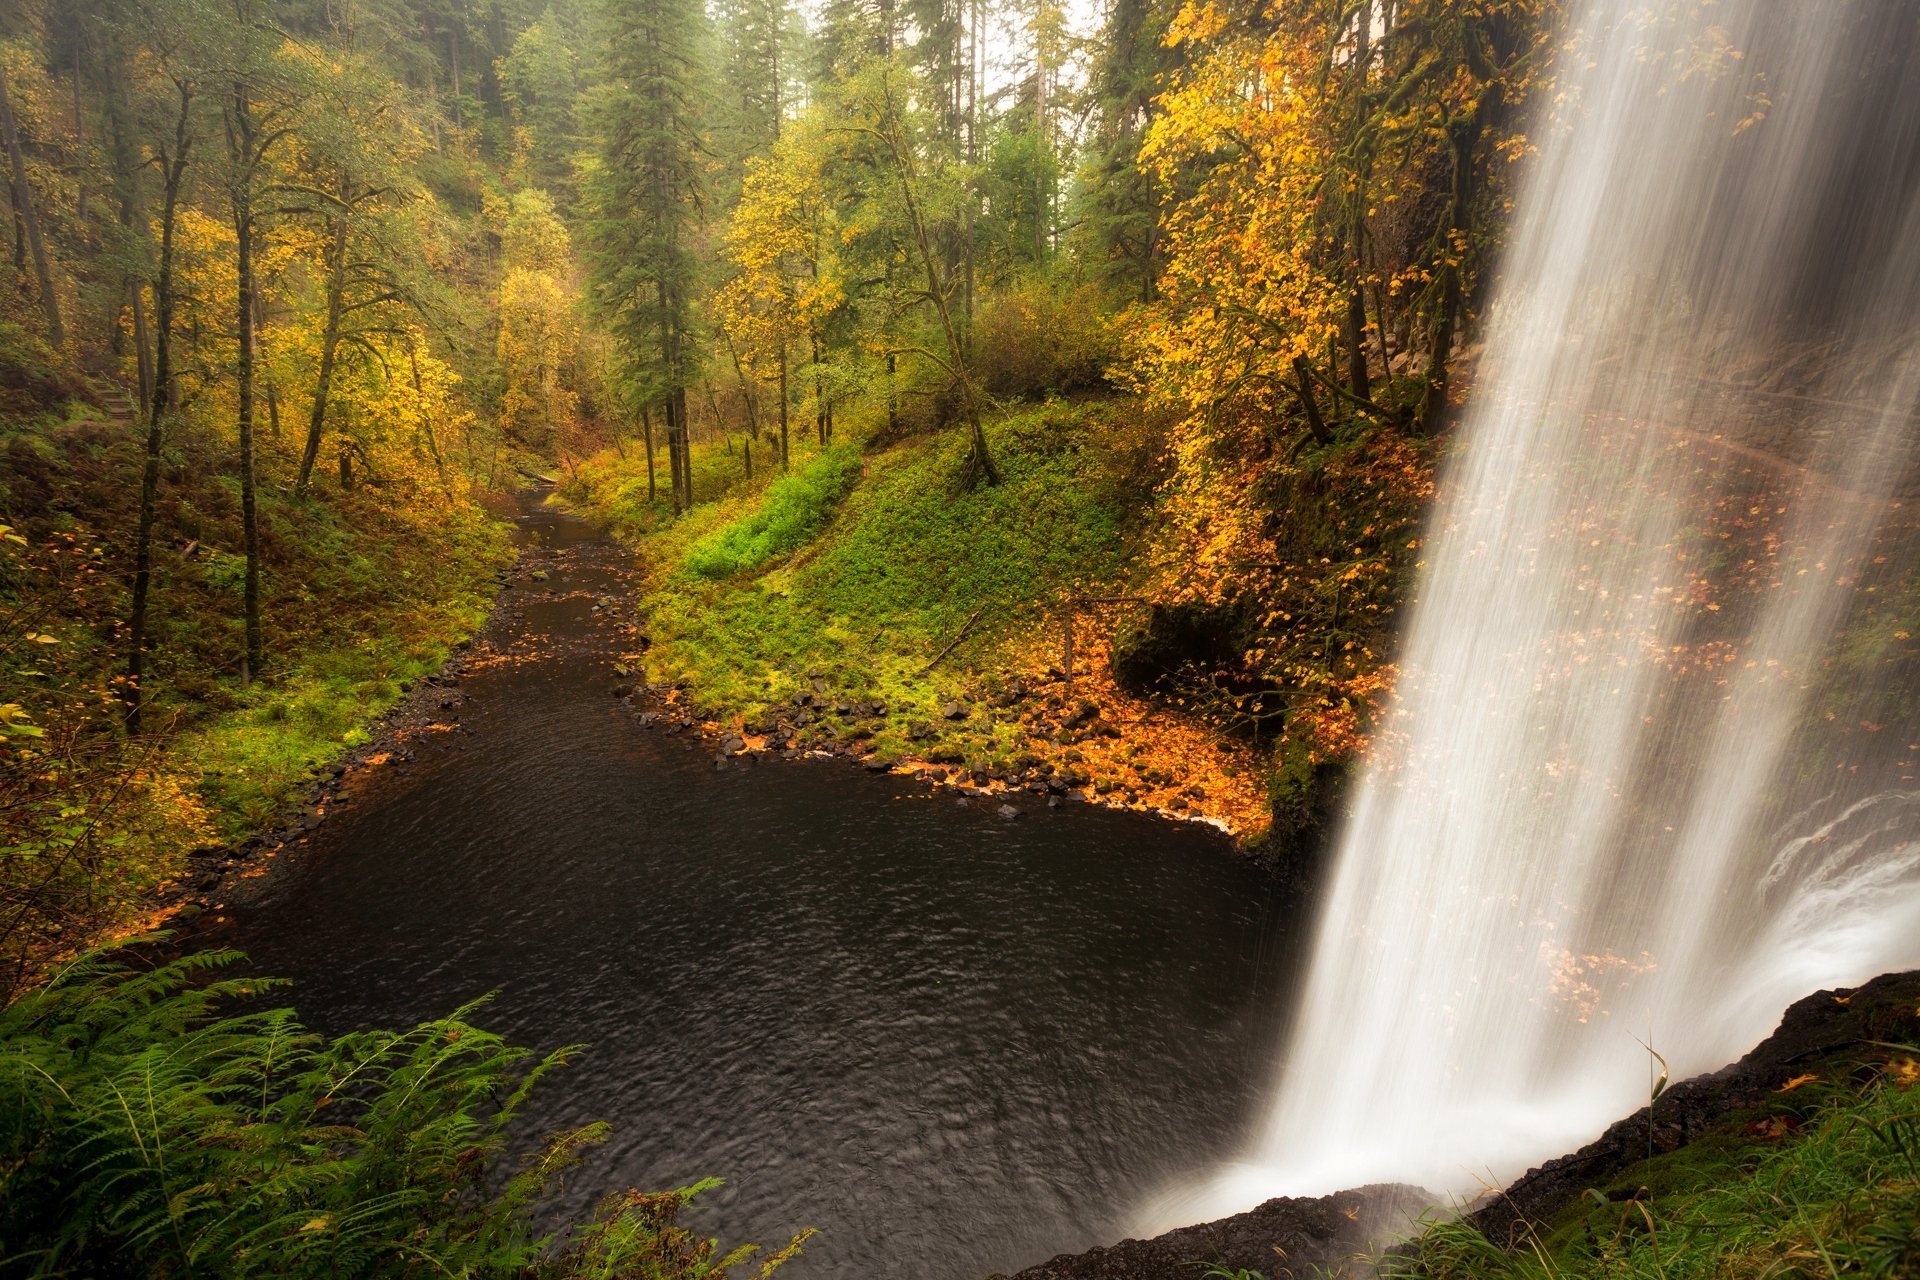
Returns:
point(1297, 1237)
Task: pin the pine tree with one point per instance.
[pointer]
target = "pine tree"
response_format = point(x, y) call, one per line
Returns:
point(644, 202)
point(1120, 208)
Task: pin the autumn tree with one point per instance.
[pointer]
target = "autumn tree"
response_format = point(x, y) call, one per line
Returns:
point(783, 245)
point(920, 187)
point(538, 328)
point(169, 121)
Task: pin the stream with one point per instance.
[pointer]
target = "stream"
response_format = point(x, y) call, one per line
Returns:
point(950, 1041)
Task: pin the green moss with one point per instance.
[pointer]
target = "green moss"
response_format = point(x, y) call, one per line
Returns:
point(1823, 1180)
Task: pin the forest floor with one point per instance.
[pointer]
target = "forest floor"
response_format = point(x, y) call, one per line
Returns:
point(865, 604)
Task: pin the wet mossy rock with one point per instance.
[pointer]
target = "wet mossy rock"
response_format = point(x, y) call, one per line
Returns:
point(1829, 1035)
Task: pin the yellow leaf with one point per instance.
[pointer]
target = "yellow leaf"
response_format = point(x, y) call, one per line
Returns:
point(1797, 1081)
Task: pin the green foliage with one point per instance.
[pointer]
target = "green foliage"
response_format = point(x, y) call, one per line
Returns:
point(897, 574)
point(145, 1131)
point(1829, 1187)
point(794, 508)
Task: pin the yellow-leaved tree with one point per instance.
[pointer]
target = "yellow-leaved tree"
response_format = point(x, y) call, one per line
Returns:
point(539, 324)
point(782, 243)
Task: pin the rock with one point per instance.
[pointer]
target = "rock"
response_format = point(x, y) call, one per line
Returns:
point(732, 745)
point(539, 575)
point(207, 882)
point(1008, 812)
point(1084, 714)
point(1053, 802)
point(953, 711)
point(623, 691)
point(1815, 1027)
point(919, 731)
point(881, 764)
point(1285, 1236)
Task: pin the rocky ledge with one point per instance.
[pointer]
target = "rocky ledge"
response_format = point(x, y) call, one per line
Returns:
point(1331, 1236)
point(1338, 1235)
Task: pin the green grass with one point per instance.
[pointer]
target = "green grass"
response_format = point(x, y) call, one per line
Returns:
point(743, 613)
point(792, 510)
point(1823, 1182)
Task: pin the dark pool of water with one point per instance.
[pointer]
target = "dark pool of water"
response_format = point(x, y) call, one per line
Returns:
point(951, 1042)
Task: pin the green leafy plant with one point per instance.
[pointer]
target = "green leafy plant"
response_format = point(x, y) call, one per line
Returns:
point(793, 509)
point(146, 1131)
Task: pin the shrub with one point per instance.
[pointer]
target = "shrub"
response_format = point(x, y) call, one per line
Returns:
point(794, 508)
point(1035, 338)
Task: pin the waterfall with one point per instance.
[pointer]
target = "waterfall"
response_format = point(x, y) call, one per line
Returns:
point(1650, 774)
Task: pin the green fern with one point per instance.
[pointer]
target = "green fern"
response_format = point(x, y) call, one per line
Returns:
point(145, 1132)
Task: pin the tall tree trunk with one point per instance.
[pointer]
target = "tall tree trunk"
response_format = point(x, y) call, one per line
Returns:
point(646, 432)
point(266, 375)
point(1463, 137)
point(248, 155)
point(819, 395)
point(125, 161)
point(979, 457)
point(80, 142)
point(426, 420)
point(329, 347)
point(142, 343)
point(173, 168)
point(783, 405)
point(1354, 327)
point(29, 216)
point(686, 446)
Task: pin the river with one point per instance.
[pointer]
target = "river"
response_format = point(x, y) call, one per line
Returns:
point(950, 1041)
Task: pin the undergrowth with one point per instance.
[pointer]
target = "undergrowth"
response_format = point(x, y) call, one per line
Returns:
point(148, 1129)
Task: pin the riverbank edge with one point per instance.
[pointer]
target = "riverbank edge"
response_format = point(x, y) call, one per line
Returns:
point(213, 870)
point(827, 721)
point(1824, 1035)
